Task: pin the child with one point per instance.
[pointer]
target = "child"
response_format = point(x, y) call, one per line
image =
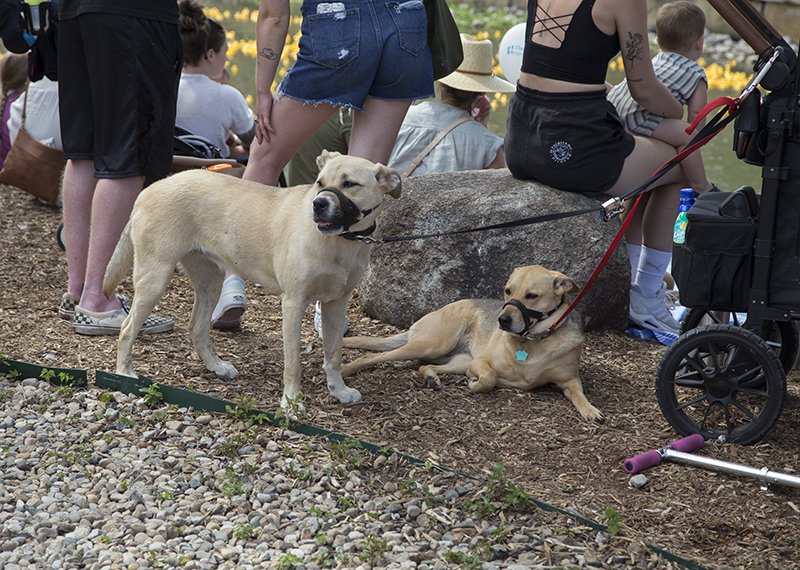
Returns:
point(680, 27)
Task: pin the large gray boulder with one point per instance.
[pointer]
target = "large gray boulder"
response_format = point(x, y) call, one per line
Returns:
point(408, 279)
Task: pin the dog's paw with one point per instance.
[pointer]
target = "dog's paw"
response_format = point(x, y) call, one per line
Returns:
point(433, 383)
point(347, 395)
point(224, 369)
point(593, 414)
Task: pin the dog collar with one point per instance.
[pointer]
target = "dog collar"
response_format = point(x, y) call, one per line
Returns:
point(528, 315)
point(545, 333)
point(354, 236)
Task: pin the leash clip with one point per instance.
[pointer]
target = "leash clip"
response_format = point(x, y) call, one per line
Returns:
point(369, 240)
point(612, 207)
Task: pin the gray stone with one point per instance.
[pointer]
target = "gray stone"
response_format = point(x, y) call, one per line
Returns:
point(408, 279)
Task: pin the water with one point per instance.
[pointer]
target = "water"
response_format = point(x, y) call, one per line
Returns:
point(722, 166)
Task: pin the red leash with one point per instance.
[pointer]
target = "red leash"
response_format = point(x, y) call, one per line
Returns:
point(732, 105)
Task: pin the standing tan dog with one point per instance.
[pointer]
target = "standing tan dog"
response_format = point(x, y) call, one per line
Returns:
point(291, 241)
point(464, 338)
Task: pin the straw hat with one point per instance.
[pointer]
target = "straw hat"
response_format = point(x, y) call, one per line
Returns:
point(475, 72)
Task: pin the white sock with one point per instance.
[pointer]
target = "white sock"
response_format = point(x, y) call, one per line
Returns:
point(652, 266)
point(634, 253)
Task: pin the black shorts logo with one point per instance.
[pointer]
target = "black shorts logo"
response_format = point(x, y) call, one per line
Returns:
point(561, 152)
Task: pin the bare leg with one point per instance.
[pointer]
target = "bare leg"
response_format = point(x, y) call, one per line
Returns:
point(78, 190)
point(375, 130)
point(294, 123)
point(673, 132)
point(95, 212)
point(654, 219)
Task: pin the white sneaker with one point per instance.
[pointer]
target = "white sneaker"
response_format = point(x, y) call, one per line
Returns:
point(231, 305)
point(318, 320)
point(652, 312)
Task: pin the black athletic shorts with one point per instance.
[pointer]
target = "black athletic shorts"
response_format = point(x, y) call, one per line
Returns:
point(118, 87)
point(568, 141)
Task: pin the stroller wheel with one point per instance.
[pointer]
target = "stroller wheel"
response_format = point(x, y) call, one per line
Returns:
point(721, 380)
point(781, 336)
point(60, 236)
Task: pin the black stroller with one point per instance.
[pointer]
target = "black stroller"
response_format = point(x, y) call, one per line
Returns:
point(739, 269)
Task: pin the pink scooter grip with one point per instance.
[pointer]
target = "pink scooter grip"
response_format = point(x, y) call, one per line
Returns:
point(642, 461)
point(653, 457)
point(689, 443)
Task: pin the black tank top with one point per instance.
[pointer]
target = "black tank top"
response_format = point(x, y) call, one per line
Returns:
point(584, 53)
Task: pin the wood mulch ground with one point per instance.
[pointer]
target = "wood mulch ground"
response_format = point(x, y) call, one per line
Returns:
point(706, 517)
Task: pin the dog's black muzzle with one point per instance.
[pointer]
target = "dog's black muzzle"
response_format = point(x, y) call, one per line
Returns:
point(350, 213)
point(529, 316)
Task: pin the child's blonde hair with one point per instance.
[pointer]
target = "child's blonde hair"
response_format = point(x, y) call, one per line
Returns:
point(679, 25)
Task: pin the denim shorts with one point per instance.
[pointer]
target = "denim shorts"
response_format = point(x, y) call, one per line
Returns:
point(354, 49)
point(118, 85)
point(568, 141)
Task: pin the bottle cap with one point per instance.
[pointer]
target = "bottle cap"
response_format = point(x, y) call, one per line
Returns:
point(687, 193)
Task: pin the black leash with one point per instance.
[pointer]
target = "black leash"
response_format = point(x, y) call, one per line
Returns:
point(511, 224)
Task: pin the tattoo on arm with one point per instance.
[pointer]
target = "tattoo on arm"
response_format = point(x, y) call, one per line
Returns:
point(633, 48)
point(247, 138)
point(268, 53)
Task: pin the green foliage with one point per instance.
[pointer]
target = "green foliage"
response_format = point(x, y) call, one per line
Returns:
point(47, 374)
point(244, 410)
point(375, 550)
point(500, 494)
point(464, 560)
point(152, 395)
point(293, 413)
point(288, 562)
point(244, 531)
point(350, 452)
point(233, 484)
point(613, 522)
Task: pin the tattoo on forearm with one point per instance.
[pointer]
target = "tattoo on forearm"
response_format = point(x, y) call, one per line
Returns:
point(633, 48)
point(268, 53)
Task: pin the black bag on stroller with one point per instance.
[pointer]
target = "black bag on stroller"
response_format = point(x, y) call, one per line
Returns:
point(713, 267)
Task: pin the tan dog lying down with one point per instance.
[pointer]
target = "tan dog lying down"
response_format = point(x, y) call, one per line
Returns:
point(288, 240)
point(464, 338)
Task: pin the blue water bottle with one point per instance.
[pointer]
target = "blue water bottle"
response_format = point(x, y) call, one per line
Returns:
point(687, 199)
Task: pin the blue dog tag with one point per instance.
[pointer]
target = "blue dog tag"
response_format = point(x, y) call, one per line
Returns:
point(522, 356)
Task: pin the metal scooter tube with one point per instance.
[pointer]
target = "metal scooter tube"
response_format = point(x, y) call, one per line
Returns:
point(764, 474)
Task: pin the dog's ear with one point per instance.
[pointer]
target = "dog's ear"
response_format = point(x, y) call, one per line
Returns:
point(563, 284)
point(390, 178)
point(325, 156)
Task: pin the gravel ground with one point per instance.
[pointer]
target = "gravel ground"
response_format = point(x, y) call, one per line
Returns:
point(103, 481)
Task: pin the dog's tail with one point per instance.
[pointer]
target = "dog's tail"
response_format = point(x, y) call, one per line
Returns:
point(373, 343)
point(121, 262)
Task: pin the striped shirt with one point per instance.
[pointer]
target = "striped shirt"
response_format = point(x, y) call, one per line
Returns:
point(679, 73)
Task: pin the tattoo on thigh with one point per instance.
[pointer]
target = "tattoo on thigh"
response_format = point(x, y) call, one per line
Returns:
point(633, 48)
point(268, 53)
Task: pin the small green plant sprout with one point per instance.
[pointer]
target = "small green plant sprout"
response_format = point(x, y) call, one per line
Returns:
point(47, 374)
point(66, 379)
point(155, 561)
point(106, 397)
point(152, 395)
point(350, 452)
point(375, 550)
point(233, 486)
point(465, 561)
point(105, 539)
point(294, 412)
point(166, 495)
point(510, 495)
point(613, 523)
point(289, 562)
point(244, 531)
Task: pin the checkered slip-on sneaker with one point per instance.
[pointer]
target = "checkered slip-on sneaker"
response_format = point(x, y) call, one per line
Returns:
point(66, 310)
point(110, 322)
